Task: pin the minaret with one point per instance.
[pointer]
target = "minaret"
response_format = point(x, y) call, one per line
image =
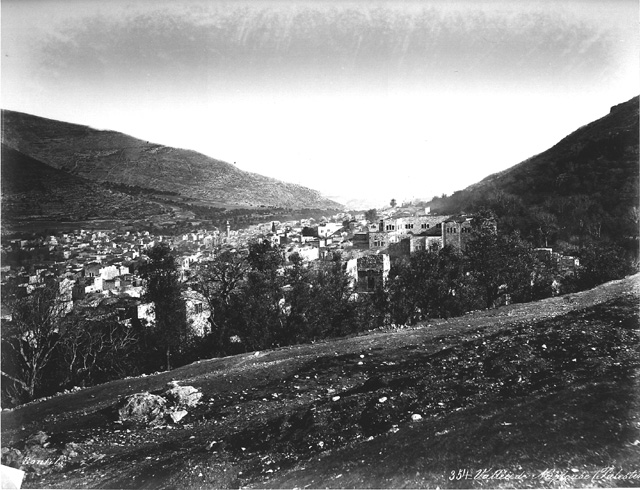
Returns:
point(228, 229)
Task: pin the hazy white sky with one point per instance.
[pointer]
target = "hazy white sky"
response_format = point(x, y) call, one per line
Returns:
point(360, 99)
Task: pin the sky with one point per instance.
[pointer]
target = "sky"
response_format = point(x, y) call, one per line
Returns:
point(361, 100)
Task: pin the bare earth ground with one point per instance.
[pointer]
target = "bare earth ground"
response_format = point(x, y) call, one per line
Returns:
point(531, 395)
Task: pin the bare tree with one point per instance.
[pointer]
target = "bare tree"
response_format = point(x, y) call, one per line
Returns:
point(94, 348)
point(32, 335)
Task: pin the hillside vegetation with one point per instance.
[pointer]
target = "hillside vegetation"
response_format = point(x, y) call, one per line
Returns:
point(532, 395)
point(585, 188)
point(109, 156)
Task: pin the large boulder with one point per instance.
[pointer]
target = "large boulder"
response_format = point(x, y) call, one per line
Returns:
point(37, 439)
point(143, 408)
point(183, 396)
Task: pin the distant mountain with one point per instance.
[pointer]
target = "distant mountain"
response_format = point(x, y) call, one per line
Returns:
point(109, 156)
point(33, 191)
point(584, 186)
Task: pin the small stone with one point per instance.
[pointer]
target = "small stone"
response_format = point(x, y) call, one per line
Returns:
point(178, 415)
point(416, 417)
point(382, 399)
point(336, 398)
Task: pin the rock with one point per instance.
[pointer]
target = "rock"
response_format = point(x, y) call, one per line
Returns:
point(37, 439)
point(143, 408)
point(178, 415)
point(11, 457)
point(41, 460)
point(416, 417)
point(185, 396)
point(72, 450)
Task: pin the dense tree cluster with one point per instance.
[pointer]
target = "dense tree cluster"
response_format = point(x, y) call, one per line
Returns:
point(259, 303)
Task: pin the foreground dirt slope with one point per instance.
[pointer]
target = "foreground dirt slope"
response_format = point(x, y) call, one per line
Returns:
point(551, 385)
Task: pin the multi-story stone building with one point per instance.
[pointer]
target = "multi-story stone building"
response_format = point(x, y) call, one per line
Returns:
point(457, 230)
point(373, 271)
point(379, 240)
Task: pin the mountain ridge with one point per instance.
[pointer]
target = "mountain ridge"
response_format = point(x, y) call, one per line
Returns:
point(618, 108)
point(583, 188)
point(111, 156)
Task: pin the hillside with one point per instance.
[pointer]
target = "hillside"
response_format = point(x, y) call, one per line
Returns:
point(109, 156)
point(33, 191)
point(537, 395)
point(587, 182)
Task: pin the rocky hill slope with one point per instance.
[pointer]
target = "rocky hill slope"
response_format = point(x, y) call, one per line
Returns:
point(109, 156)
point(531, 395)
point(33, 191)
point(602, 152)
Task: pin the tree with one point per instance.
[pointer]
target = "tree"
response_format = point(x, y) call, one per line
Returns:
point(393, 203)
point(500, 264)
point(32, 336)
point(546, 225)
point(260, 316)
point(218, 281)
point(331, 308)
point(430, 284)
point(298, 297)
point(601, 262)
point(96, 348)
point(372, 215)
point(164, 289)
